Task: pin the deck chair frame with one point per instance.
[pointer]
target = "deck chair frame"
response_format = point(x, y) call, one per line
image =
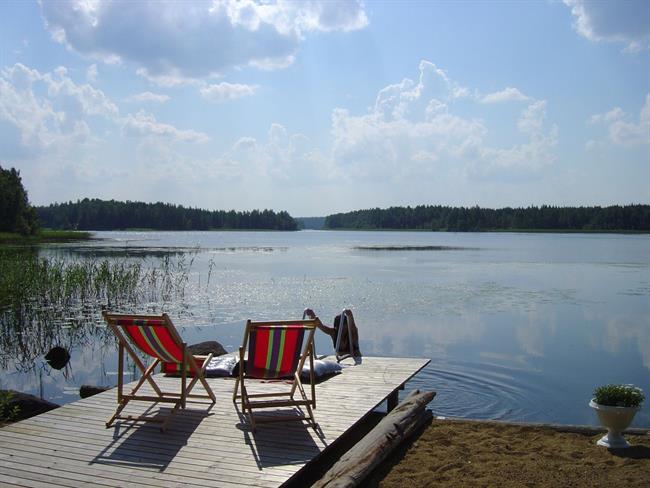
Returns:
point(178, 399)
point(296, 395)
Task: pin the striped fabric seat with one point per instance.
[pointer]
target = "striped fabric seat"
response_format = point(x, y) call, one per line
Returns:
point(274, 351)
point(155, 336)
point(152, 337)
point(277, 350)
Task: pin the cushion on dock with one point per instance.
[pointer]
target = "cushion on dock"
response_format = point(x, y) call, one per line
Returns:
point(323, 368)
point(221, 366)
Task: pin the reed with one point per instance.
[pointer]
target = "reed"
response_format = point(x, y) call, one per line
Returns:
point(47, 301)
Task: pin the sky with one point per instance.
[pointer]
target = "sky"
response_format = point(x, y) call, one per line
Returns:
point(317, 107)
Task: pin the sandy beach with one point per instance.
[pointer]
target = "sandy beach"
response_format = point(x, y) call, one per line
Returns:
point(478, 454)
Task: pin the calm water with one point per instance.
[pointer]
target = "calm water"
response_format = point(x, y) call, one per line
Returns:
point(517, 326)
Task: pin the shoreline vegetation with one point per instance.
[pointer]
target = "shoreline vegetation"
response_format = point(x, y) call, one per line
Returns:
point(96, 214)
point(615, 218)
point(49, 301)
point(18, 217)
point(21, 222)
point(45, 236)
point(496, 231)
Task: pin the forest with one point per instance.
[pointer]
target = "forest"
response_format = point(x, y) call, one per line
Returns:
point(464, 219)
point(95, 214)
point(19, 217)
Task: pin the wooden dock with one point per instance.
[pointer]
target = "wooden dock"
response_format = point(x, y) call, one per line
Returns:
point(70, 446)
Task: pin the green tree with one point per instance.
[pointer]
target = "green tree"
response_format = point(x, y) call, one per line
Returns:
point(615, 217)
point(16, 214)
point(97, 214)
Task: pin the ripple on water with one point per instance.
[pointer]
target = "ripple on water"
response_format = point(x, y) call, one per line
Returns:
point(481, 391)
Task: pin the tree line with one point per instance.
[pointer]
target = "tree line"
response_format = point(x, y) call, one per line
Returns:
point(95, 214)
point(16, 214)
point(444, 218)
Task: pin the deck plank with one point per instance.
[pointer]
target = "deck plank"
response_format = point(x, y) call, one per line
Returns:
point(203, 446)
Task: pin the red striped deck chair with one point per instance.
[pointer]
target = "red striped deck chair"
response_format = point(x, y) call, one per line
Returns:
point(277, 350)
point(155, 336)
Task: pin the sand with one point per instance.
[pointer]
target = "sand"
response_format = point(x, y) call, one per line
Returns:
point(478, 454)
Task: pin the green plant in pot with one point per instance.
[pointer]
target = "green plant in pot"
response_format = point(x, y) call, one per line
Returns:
point(616, 406)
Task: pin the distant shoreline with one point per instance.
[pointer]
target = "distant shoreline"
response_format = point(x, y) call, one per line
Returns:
point(45, 236)
point(497, 231)
point(631, 218)
point(53, 236)
point(61, 235)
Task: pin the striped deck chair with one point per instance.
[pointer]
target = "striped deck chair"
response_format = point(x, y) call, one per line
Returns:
point(277, 350)
point(155, 336)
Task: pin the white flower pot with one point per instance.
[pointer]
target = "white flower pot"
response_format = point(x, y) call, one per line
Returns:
point(616, 420)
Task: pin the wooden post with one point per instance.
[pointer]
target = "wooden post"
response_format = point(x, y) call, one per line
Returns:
point(356, 464)
point(392, 400)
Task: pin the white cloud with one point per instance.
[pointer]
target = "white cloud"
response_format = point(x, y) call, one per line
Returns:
point(286, 157)
point(622, 131)
point(49, 115)
point(226, 91)
point(145, 124)
point(91, 101)
point(508, 94)
point(412, 130)
point(91, 73)
point(615, 114)
point(406, 99)
point(47, 109)
point(148, 97)
point(172, 78)
point(533, 155)
point(296, 17)
point(613, 21)
point(176, 41)
point(532, 118)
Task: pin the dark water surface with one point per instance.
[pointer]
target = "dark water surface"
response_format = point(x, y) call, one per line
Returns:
point(517, 326)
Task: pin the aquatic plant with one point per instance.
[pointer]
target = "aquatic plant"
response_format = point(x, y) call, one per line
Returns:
point(8, 412)
point(49, 301)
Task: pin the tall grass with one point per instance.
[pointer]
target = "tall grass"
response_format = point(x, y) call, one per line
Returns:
point(52, 301)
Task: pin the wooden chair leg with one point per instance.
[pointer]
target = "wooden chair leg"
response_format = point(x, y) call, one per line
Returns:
point(200, 375)
point(234, 392)
point(119, 409)
point(311, 416)
point(244, 397)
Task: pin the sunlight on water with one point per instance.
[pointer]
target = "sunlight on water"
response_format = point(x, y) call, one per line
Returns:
point(518, 326)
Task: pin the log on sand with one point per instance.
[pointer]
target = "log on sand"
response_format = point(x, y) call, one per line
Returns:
point(369, 452)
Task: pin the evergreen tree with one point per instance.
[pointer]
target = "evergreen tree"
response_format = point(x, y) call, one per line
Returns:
point(94, 214)
point(613, 218)
point(16, 214)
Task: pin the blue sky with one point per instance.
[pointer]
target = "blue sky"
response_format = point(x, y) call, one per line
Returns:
point(318, 107)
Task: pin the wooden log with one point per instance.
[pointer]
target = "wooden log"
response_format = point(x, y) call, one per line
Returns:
point(356, 464)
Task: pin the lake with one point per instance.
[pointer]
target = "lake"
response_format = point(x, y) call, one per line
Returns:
point(518, 326)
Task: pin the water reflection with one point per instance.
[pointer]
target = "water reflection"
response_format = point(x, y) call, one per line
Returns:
point(97, 251)
point(49, 306)
point(519, 327)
